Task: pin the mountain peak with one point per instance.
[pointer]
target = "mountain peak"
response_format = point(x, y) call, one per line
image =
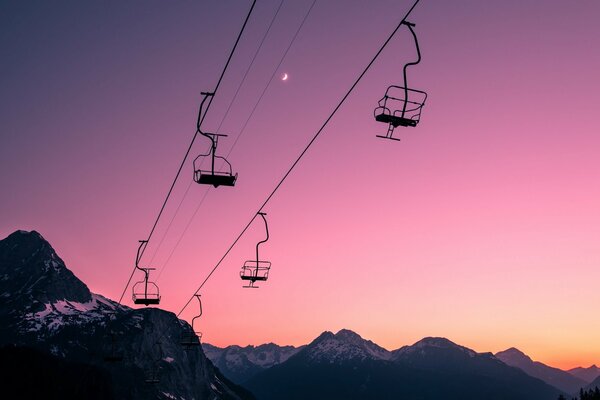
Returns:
point(432, 348)
point(435, 342)
point(586, 374)
point(512, 356)
point(343, 346)
point(28, 262)
point(552, 376)
point(347, 333)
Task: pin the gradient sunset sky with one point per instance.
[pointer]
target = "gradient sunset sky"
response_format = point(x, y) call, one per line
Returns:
point(482, 225)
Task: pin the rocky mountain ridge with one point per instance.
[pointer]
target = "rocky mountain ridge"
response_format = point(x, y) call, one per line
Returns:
point(46, 307)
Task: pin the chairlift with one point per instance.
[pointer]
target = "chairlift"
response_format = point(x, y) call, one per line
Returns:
point(113, 354)
point(256, 270)
point(145, 291)
point(192, 338)
point(222, 176)
point(400, 105)
point(152, 374)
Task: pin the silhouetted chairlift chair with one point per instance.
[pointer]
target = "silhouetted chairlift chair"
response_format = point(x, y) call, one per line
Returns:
point(111, 349)
point(401, 106)
point(153, 373)
point(114, 354)
point(213, 176)
point(256, 270)
point(145, 292)
point(192, 337)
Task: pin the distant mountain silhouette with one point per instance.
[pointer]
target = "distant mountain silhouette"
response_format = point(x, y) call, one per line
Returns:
point(594, 384)
point(345, 366)
point(241, 363)
point(552, 376)
point(47, 308)
point(587, 374)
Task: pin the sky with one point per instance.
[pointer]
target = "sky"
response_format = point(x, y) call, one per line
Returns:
point(481, 225)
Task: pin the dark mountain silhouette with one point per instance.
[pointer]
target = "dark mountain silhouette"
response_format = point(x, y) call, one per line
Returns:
point(241, 363)
point(345, 366)
point(586, 374)
point(31, 374)
point(552, 376)
point(45, 307)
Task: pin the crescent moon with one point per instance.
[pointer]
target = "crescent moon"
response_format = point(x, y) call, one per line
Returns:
point(284, 77)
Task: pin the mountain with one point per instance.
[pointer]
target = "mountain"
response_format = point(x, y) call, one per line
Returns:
point(594, 384)
point(586, 374)
point(346, 366)
point(552, 376)
point(342, 347)
point(241, 363)
point(48, 310)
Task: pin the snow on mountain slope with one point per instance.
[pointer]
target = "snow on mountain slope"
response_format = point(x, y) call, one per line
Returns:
point(342, 346)
point(241, 363)
point(46, 307)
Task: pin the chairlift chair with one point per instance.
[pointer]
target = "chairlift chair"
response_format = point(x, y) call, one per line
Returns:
point(152, 373)
point(192, 337)
point(212, 176)
point(145, 291)
point(215, 177)
point(152, 376)
point(256, 270)
point(400, 105)
point(113, 355)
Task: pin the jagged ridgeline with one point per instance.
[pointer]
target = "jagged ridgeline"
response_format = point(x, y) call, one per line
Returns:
point(48, 317)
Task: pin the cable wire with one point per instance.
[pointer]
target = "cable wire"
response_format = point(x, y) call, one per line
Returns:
point(218, 129)
point(271, 79)
point(247, 120)
point(317, 134)
point(190, 146)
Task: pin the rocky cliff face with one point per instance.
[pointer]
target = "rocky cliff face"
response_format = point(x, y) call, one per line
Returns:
point(45, 306)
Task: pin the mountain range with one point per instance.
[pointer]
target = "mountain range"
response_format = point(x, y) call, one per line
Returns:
point(56, 333)
point(243, 365)
point(346, 366)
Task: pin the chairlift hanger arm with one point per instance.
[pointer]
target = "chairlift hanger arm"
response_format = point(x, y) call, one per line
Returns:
point(140, 251)
point(410, 27)
point(199, 315)
point(262, 214)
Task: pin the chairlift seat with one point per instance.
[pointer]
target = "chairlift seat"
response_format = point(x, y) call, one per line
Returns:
point(253, 271)
point(395, 121)
point(191, 340)
point(216, 179)
point(146, 292)
point(146, 300)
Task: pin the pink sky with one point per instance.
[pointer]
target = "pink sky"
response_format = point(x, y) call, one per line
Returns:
point(481, 225)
